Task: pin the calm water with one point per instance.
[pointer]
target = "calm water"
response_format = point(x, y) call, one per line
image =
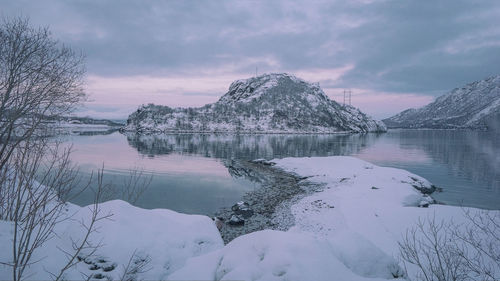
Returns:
point(195, 174)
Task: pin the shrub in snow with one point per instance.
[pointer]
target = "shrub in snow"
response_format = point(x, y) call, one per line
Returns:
point(446, 251)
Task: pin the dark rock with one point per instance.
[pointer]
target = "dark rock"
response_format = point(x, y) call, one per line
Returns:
point(424, 189)
point(263, 162)
point(219, 222)
point(236, 220)
point(420, 186)
point(438, 189)
point(242, 209)
point(426, 201)
point(98, 276)
point(109, 267)
point(423, 204)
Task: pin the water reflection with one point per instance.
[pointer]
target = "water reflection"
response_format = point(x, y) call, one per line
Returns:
point(465, 163)
point(185, 183)
point(225, 146)
point(197, 173)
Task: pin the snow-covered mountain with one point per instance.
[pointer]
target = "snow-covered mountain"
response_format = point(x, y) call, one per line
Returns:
point(473, 106)
point(269, 103)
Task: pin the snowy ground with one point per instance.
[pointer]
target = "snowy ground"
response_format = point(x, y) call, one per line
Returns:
point(348, 231)
point(163, 238)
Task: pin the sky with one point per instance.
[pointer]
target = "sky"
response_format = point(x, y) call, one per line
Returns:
point(392, 54)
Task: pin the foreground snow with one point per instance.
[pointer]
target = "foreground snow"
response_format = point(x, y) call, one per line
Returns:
point(348, 231)
point(164, 238)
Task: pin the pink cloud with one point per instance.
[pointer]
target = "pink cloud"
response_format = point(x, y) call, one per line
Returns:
point(323, 74)
point(206, 86)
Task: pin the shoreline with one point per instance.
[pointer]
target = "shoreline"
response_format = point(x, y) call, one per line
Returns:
point(339, 216)
point(270, 203)
point(170, 132)
point(314, 218)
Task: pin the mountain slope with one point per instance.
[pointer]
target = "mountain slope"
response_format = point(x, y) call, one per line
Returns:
point(474, 106)
point(270, 103)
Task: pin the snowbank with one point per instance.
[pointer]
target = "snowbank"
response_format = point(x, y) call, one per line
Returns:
point(164, 238)
point(348, 231)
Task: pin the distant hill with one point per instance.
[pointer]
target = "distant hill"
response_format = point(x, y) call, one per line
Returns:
point(473, 106)
point(269, 103)
point(80, 121)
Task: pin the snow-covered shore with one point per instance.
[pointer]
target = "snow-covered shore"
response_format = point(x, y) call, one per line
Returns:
point(347, 231)
point(164, 239)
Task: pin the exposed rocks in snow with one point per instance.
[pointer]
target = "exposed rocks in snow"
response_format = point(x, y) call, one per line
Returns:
point(422, 187)
point(473, 106)
point(242, 209)
point(153, 242)
point(269, 103)
point(270, 204)
point(338, 228)
point(236, 220)
point(219, 222)
point(345, 230)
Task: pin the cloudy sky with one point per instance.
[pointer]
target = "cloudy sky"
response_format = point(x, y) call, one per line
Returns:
point(392, 54)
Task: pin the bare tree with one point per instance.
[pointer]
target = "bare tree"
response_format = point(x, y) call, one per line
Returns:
point(83, 248)
point(135, 185)
point(137, 264)
point(446, 251)
point(40, 179)
point(39, 77)
point(481, 235)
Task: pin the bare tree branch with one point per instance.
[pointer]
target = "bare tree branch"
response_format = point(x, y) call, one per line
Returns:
point(442, 251)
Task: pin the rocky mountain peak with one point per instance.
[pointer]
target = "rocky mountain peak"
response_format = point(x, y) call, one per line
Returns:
point(269, 103)
point(245, 90)
point(475, 106)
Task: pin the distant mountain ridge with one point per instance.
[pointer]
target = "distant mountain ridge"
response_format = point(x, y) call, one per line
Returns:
point(75, 121)
point(269, 103)
point(473, 106)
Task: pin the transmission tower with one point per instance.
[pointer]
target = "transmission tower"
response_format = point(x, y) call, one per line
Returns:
point(347, 96)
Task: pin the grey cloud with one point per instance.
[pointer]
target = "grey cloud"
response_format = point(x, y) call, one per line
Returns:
point(397, 46)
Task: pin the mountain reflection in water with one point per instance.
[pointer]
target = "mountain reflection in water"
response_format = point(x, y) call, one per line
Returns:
point(191, 169)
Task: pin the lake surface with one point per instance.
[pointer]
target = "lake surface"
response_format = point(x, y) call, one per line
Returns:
point(194, 173)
